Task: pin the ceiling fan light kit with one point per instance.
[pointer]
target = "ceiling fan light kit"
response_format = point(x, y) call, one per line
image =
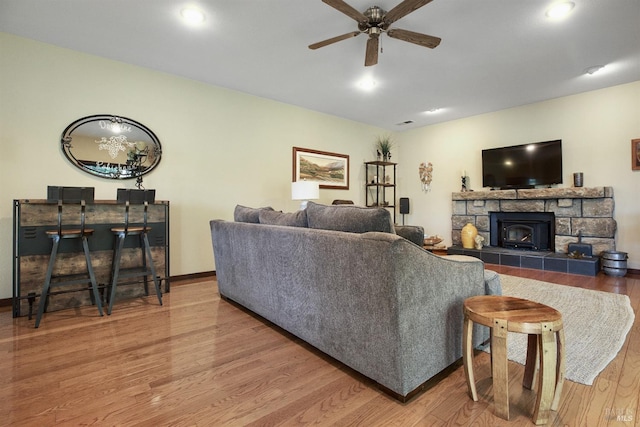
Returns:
point(376, 21)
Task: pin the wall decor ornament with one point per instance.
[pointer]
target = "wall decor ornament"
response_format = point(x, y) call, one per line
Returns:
point(113, 147)
point(425, 171)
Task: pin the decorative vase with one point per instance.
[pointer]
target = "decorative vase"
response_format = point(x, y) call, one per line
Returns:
point(468, 235)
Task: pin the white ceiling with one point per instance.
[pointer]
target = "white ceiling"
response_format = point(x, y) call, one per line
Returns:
point(495, 54)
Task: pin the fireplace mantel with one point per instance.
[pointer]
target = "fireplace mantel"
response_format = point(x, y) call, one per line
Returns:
point(538, 193)
point(585, 210)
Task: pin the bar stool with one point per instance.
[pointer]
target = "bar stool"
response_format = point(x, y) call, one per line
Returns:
point(68, 195)
point(545, 346)
point(133, 197)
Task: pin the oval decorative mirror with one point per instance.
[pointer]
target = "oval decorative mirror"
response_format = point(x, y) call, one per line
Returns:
point(112, 147)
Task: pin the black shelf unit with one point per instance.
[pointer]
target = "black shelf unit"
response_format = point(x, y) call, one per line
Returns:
point(378, 187)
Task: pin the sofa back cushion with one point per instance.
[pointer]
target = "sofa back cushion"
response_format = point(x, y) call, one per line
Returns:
point(293, 219)
point(245, 214)
point(354, 219)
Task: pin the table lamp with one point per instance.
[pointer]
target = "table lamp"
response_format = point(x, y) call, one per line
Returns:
point(305, 191)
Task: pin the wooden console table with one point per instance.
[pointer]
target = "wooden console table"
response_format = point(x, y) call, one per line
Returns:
point(31, 249)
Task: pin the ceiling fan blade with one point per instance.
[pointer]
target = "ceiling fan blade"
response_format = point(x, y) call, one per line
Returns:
point(415, 38)
point(333, 40)
point(371, 56)
point(347, 10)
point(402, 9)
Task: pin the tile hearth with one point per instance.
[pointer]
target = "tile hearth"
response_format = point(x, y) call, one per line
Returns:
point(538, 260)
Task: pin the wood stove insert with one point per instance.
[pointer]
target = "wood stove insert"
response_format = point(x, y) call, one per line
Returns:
point(523, 230)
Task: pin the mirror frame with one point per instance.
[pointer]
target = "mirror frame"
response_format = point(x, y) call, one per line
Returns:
point(111, 138)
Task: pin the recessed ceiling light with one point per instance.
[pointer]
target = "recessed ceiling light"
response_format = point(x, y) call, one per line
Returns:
point(593, 70)
point(433, 110)
point(367, 83)
point(192, 15)
point(560, 10)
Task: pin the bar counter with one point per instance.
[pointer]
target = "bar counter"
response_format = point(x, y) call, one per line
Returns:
point(32, 248)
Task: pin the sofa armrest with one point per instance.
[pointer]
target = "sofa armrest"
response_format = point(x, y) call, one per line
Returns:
point(413, 233)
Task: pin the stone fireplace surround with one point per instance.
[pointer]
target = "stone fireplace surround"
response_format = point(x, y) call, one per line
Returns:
point(586, 210)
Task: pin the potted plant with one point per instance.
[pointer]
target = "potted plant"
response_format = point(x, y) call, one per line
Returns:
point(384, 144)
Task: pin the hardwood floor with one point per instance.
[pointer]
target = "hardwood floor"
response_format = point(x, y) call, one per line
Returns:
point(202, 361)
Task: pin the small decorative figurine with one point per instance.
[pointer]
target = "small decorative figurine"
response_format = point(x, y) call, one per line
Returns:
point(426, 175)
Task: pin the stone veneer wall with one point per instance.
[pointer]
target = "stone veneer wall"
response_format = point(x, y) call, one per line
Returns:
point(589, 210)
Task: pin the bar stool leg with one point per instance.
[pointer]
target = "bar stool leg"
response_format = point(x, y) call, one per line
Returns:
point(530, 365)
point(546, 377)
point(467, 357)
point(143, 253)
point(500, 368)
point(116, 270)
point(152, 267)
point(92, 276)
point(44, 295)
point(560, 370)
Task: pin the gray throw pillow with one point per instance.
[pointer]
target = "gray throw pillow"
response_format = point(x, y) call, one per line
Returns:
point(245, 214)
point(354, 219)
point(293, 219)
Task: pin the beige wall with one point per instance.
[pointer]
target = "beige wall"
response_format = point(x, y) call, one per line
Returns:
point(596, 129)
point(220, 147)
point(223, 147)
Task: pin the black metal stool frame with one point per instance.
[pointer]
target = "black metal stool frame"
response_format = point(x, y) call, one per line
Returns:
point(120, 235)
point(68, 233)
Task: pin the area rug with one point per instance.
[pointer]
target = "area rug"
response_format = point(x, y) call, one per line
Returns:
point(595, 324)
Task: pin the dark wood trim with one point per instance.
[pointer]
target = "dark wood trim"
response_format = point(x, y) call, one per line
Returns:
point(192, 277)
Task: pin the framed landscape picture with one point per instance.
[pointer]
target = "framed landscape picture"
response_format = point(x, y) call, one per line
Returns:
point(635, 154)
point(330, 170)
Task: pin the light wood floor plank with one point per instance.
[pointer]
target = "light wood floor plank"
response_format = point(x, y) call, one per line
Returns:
point(199, 360)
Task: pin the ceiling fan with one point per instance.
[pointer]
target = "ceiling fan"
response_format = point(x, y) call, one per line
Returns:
point(375, 21)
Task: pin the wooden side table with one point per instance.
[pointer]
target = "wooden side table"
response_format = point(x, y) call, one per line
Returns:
point(543, 324)
point(435, 249)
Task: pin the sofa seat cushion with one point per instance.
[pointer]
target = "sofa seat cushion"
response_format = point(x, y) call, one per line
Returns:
point(349, 218)
point(293, 219)
point(246, 214)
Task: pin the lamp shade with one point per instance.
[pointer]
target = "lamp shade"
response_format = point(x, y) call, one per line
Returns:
point(305, 190)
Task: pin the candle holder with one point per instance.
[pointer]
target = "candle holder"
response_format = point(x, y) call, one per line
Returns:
point(464, 185)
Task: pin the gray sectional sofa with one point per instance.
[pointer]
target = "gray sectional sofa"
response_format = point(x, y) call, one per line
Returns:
point(339, 278)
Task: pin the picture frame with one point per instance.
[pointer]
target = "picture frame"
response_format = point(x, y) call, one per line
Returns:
point(330, 170)
point(635, 154)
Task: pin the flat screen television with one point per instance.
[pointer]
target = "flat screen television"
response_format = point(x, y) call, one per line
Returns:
point(523, 166)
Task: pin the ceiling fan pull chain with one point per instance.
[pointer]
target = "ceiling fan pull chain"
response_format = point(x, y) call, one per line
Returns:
point(381, 49)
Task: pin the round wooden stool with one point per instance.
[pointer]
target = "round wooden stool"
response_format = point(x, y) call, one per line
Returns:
point(543, 325)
